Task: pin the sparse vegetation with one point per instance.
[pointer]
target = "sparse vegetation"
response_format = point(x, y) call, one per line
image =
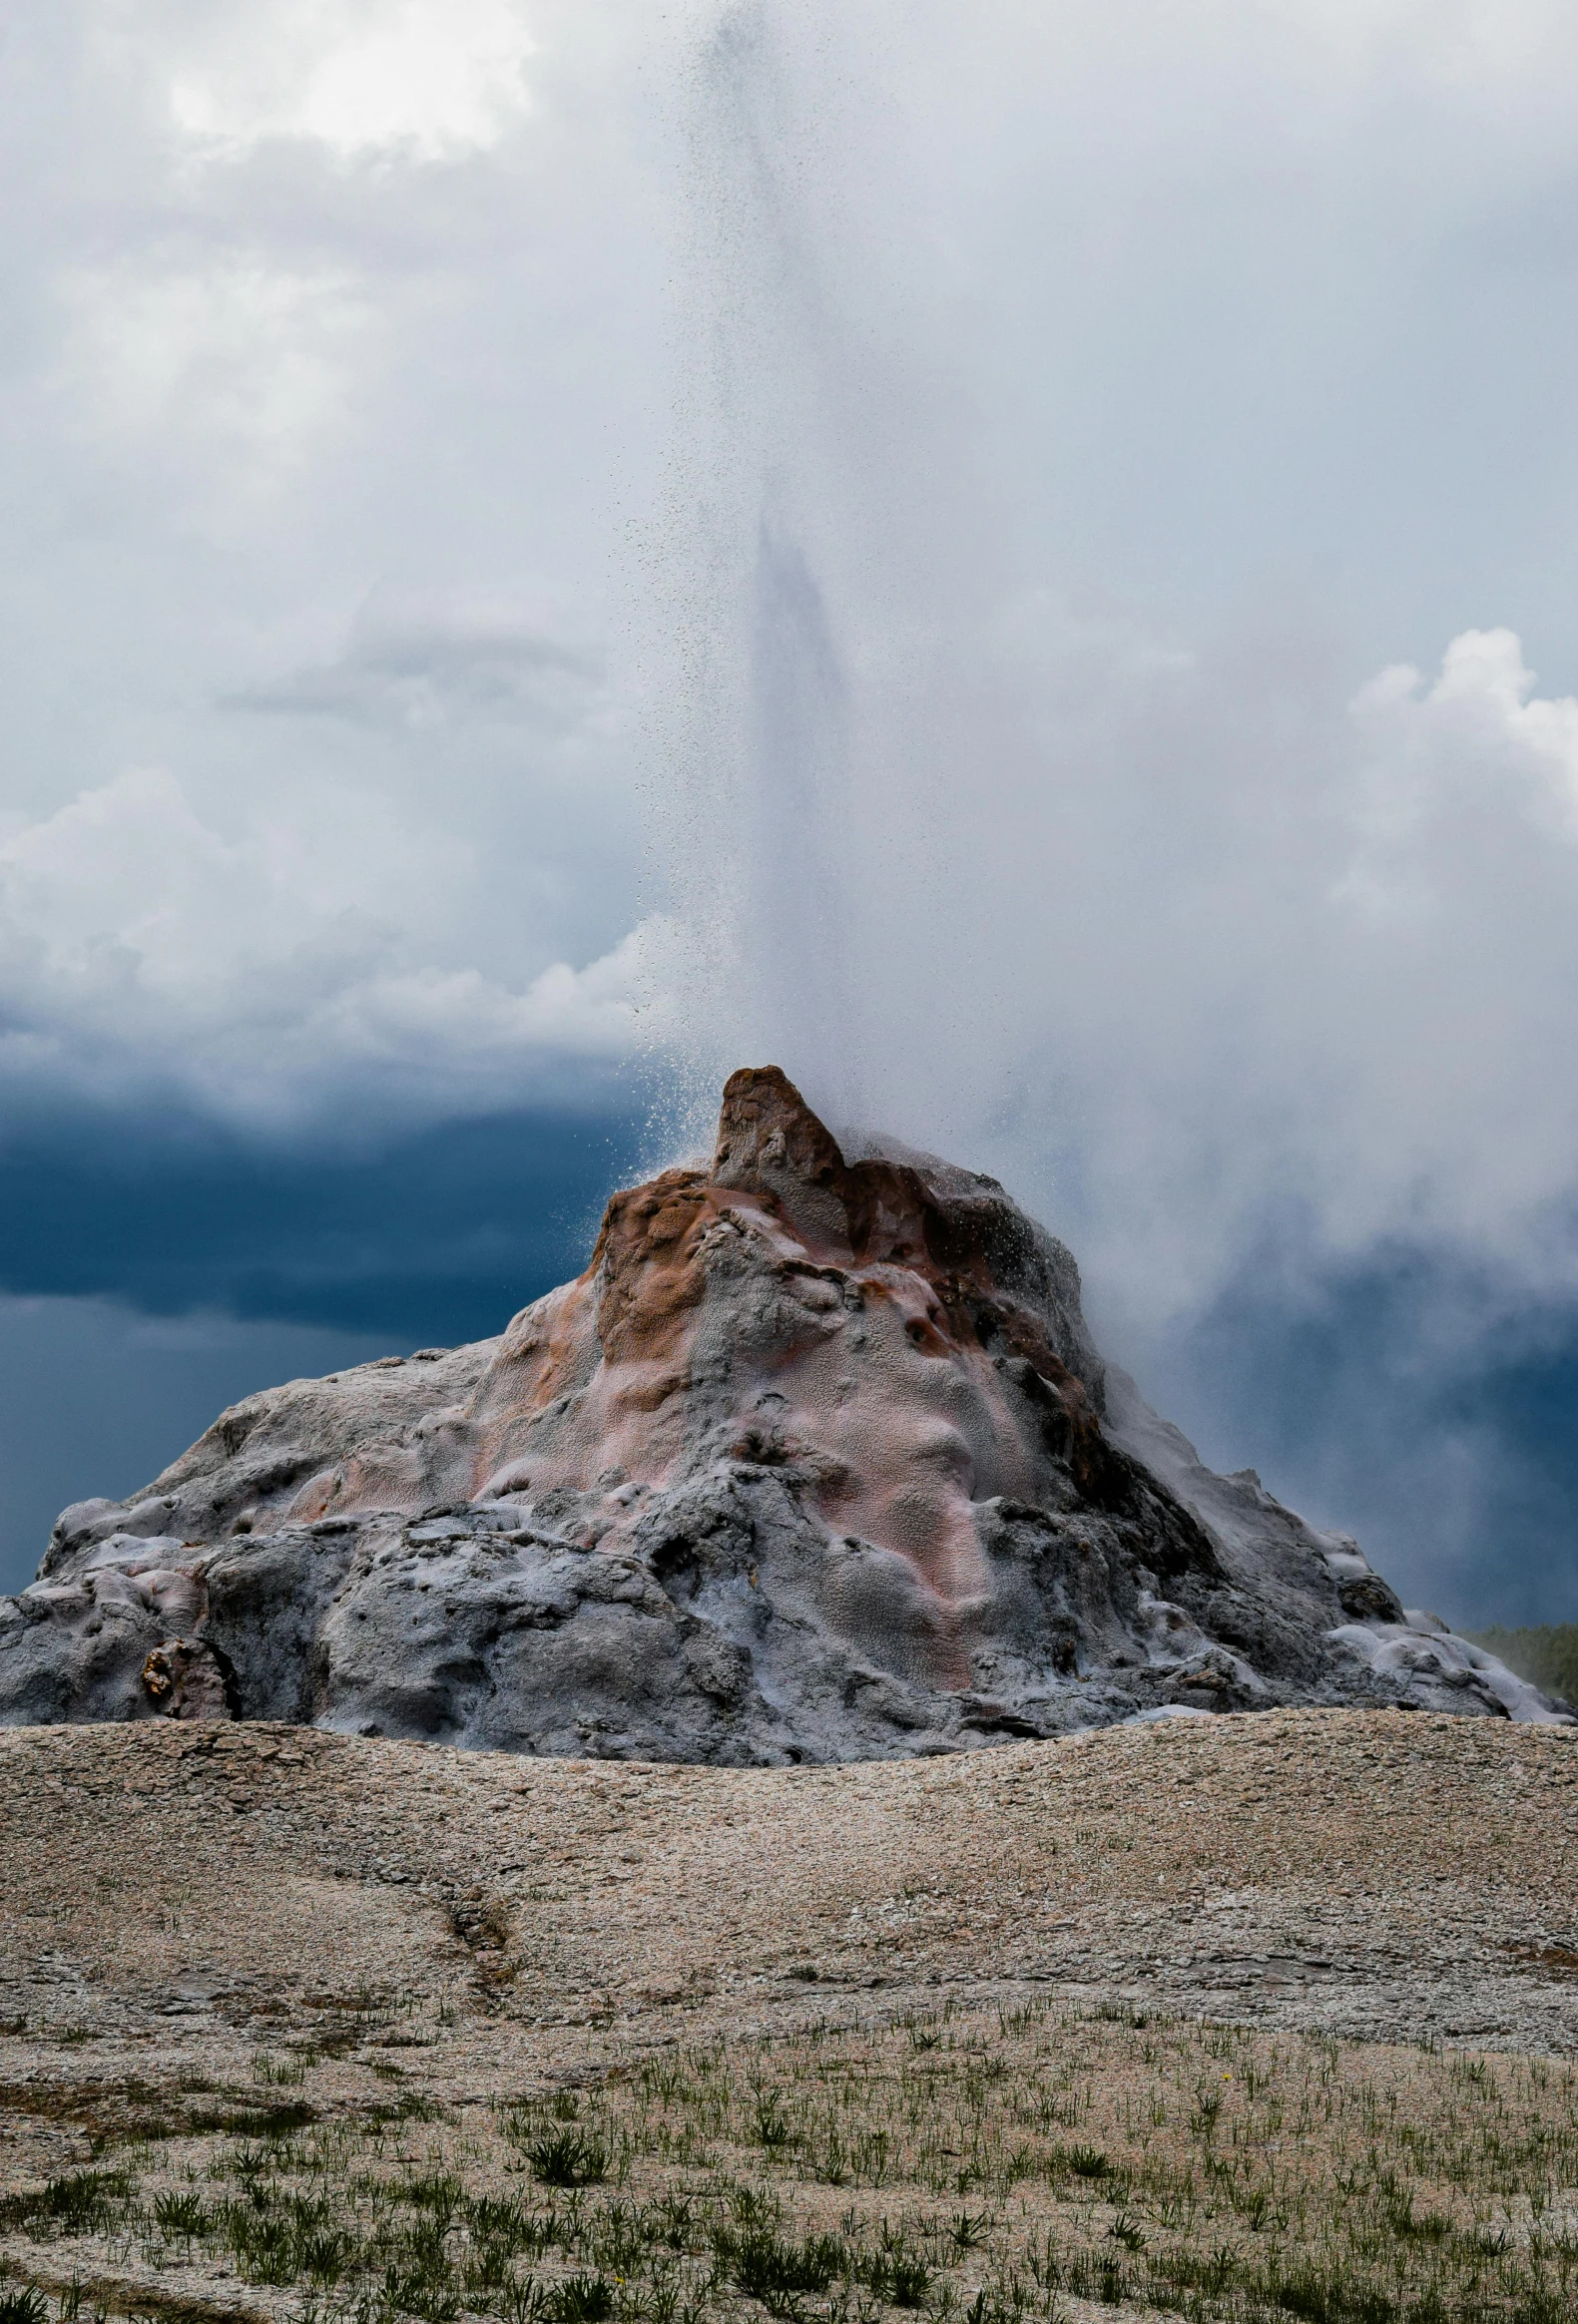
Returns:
point(979, 2168)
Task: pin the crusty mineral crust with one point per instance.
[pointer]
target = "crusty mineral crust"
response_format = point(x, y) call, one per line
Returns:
point(816, 1460)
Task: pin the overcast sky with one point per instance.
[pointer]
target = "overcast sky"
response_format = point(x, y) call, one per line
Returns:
point(1019, 561)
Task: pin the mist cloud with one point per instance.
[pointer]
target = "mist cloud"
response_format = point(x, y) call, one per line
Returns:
point(1204, 959)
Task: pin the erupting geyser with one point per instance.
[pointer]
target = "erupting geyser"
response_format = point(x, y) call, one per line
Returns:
point(816, 1460)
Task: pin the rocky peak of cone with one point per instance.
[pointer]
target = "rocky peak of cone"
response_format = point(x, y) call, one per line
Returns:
point(814, 1460)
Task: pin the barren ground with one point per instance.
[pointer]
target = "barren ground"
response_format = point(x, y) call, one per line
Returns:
point(958, 2004)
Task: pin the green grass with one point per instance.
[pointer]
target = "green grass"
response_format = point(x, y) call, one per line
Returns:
point(1547, 1655)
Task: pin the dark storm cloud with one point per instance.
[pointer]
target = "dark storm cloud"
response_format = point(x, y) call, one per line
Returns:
point(439, 1236)
point(1406, 1401)
point(96, 1398)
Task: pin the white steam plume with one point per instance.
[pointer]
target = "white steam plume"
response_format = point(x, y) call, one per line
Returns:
point(1193, 943)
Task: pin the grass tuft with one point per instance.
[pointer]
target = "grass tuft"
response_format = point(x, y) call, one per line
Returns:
point(775, 2271)
point(566, 2159)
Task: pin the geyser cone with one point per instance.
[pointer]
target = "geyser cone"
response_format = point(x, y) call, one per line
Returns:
point(814, 1460)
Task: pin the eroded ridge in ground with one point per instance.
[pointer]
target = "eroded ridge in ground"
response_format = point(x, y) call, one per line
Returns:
point(1235, 2014)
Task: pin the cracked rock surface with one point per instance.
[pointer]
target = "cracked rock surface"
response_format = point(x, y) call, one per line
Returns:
point(816, 1462)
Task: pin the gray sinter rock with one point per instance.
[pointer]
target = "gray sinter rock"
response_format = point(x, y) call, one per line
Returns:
point(816, 1460)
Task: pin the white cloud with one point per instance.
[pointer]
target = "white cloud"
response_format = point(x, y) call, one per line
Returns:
point(237, 359)
point(431, 80)
point(282, 975)
point(1480, 724)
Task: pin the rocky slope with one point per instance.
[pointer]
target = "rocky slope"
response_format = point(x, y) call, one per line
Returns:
point(815, 1462)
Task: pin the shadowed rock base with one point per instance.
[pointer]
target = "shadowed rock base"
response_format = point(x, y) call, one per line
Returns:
point(816, 1460)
